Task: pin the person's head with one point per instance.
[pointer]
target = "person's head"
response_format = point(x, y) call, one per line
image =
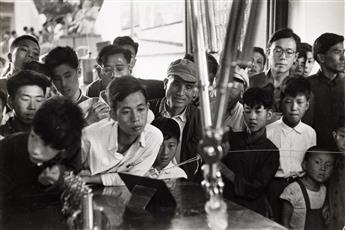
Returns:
point(128, 103)
point(257, 103)
point(171, 134)
point(180, 83)
point(3, 101)
point(299, 65)
point(128, 43)
point(23, 49)
point(339, 137)
point(56, 129)
point(328, 51)
point(113, 61)
point(309, 58)
point(26, 90)
point(239, 84)
point(63, 64)
point(294, 99)
point(318, 164)
point(212, 66)
point(282, 50)
point(258, 61)
point(25, 28)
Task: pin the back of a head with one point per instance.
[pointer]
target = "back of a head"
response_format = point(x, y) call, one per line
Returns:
point(168, 127)
point(16, 42)
point(112, 50)
point(121, 87)
point(59, 123)
point(37, 67)
point(293, 86)
point(61, 55)
point(126, 40)
point(257, 97)
point(25, 78)
point(324, 42)
point(284, 33)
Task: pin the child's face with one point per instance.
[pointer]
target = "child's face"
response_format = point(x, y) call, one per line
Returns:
point(256, 118)
point(319, 166)
point(166, 152)
point(39, 151)
point(294, 108)
point(339, 137)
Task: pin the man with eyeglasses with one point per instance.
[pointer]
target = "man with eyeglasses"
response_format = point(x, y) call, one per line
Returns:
point(281, 54)
point(327, 109)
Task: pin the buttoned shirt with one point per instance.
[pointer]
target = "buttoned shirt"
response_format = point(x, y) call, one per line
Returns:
point(181, 119)
point(292, 144)
point(101, 157)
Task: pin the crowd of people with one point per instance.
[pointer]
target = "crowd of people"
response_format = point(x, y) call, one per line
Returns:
point(285, 138)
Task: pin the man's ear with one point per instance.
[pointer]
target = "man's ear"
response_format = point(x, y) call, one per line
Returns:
point(268, 50)
point(269, 114)
point(334, 134)
point(165, 82)
point(10, 102)
point(304, 165)
point(296, 57)
point(112, 114)
point(79, 71)
point(307, 105)
point(9, 57)
point(320, 58)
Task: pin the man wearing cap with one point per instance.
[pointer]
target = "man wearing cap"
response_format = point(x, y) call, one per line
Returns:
point(179, 90)
point(234, 112)
point(327, 109)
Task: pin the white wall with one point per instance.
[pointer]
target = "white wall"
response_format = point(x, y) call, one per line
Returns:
point(26, 14)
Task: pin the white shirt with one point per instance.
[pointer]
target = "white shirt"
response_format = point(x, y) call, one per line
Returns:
point(171, 171)
point(235, 119)
point(292, 144)
point(100, 156)
point(181, 119)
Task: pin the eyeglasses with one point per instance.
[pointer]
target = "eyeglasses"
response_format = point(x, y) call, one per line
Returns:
point(108, 71)
point(277, 51)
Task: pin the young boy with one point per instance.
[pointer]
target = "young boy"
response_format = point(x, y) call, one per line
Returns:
point(303, 199)
point(163, 168)
point(336, 186)
point(113, 61)
point(26, 91)
point(291, 136)
point(64, 66)
point(126, 143)
point(252, 159)
point(30, 162)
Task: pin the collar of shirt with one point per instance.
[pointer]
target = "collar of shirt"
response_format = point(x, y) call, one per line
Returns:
point(113, 138)
point(164, 112)
point(251, 139)
point(287, 129)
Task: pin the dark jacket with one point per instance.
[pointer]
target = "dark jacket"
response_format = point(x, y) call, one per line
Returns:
point(13, 125)
point(190, 138)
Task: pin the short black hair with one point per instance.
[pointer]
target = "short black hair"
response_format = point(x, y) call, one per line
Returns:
point(126, 40)
point(37, 67)
point(59, 123)
point(119, 88)
point(324, 42)
point(112, 50)
point(257, 97)
point(61, 55)
point(212, 63)
point(260, 51)
point(24, 78)
point(306, 46)
point(315, 149)
point(19, 39)
point(168, 126)
point(284, 33)
point(295, 85)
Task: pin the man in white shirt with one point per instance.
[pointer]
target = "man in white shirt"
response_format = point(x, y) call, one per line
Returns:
point(125, 143)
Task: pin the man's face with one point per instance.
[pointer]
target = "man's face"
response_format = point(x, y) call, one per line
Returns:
point(178, 92)
point(115, 66)
point(27, 101)
point(39, 151)
point(299, 66)
point(25, 52)
point(256, 118)
point(131, 114)
point(133, 55)
point(282, 54)
point(309, 64)
point(166, 152)
point(339, 137)
point(294, 108)
point(257, 64)
point(333, 59)
point(65, 79)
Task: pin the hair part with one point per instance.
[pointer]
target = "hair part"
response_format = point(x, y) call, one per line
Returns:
point(293, 86)
point(315, 149)
point(62, 56)
point(284, 33)
point(27, 78)
point(16, 42)
point(257, 97)
point(126, 40)
point(168, 126)
point(112, 50)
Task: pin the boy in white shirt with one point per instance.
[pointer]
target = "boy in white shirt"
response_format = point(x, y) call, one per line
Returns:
point(291, 136)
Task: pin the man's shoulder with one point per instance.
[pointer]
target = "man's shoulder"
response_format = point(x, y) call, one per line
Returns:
point(151, 132)
point(98, 127)
point(258, 80)
point(13, 141)
point(274, 126)
point(307, 128)
point(94, 88)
